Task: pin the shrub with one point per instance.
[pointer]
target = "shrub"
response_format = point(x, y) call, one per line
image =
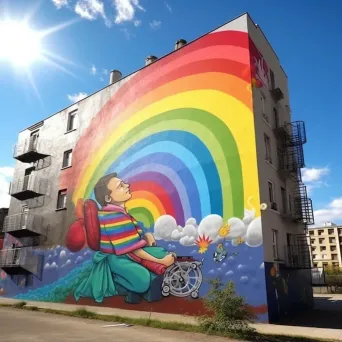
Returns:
point(84, 313)
point(19, 304)
point(228, 312)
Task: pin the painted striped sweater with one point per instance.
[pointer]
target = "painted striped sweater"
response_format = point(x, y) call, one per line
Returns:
point(120, 232)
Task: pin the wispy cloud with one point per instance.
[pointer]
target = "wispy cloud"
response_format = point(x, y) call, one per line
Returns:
point(77, 97)
point(60, 3)
point(127, 33)
point(168, 6)
point(314, 178)
point(330, 213)
point(137, 23)
point(155, 24)
point(93, 70)
point(6, 174)
point(105, 71)
point(125, 10)
point(91, 10)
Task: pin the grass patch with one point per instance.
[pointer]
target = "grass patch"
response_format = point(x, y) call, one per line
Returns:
point(153, 323)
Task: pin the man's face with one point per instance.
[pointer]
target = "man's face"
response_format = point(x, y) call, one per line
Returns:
point(119, 190)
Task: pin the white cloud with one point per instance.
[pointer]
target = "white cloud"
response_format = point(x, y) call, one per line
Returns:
point(168, 6)
point(314, 174)
point(105, 71)
point(6, 174)
point(91, 10)
point(93, 70)
point(332, 212)
point(127, 33)
point(60, 3)
point(155, 24)
point(137, 23)
point(77, 97)
point(125, 10)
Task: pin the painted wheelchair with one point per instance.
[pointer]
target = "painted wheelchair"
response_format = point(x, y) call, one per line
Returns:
point(183, 278)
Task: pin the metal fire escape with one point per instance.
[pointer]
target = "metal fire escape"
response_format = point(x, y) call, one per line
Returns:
point(291, 138)
point(297, 254)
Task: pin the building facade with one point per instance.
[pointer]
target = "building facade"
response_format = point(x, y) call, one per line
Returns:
point(3, 214)
point(326, 245)
point(186, 170)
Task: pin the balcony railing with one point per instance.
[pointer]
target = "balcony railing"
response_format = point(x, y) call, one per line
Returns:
point(28, 187)
point(30, 150)
point(24, 225)
point(303, 210)
point(291, 133)
point(21, 261)
point(297, 255)
point(291, 159)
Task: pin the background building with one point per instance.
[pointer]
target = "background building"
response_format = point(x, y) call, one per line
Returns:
point(204, 138)
point(326, 244)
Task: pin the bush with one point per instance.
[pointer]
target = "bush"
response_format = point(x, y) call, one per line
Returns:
point(228, 312)
point(84, 313)
point(19, 305)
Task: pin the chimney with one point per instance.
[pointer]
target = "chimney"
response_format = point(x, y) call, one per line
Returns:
point(180, 43)
point(150, 59)
point(115, 75)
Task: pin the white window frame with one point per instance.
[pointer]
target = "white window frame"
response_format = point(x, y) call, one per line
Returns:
point(67, 153)
point(275, 244)
point(72, 116)
point(62, 192)
point(268, 149)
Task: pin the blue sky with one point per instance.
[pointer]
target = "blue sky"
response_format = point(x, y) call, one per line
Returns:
point(85, 39)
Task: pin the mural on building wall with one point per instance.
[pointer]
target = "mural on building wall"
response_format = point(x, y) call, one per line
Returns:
point(164, 187)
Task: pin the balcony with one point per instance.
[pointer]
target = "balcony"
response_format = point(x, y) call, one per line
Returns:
point(28, 187)
point(277, 94)
point(30, 150)
point(303, 210)
point(24, 225)
point(297, 255)
point(291, 159)
point(21, 261)
point(291, 133)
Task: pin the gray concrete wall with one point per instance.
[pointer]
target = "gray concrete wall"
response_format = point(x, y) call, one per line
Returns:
point(271, 219)
point(54, 140)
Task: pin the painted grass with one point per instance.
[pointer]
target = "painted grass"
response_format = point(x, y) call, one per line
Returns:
point(153, 323)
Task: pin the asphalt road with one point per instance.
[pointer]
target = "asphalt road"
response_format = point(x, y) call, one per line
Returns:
point(21, 326)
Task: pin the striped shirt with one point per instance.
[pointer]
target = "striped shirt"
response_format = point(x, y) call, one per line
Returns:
point(120, 232)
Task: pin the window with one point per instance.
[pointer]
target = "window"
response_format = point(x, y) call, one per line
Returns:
point(268, 155)
point(284, 199)
point(315, 265)
point(321, 240)
point(323, 248)
point(62, 197)
point(67, 157)
point(312, 241)
point(339, 231)
point(330, 231)
point(72, 121)
point(270, 192)
point(263, 103)
point(334, 256)
point(276, 117)
point(333, 248)
point(332, 240)
point(34, 140)
point(325, 264)
point(320, 232)
point(290, 203)
point(272, 79)
point(311, 232)
point(275, 243)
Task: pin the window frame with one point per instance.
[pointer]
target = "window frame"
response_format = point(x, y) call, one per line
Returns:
point(275, 244)
point(268, 149)
point(72, 118)
point(64, 166)
point(62, 192)
point(272, 200)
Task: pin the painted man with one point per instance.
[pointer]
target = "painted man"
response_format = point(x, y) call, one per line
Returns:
point(115, 270)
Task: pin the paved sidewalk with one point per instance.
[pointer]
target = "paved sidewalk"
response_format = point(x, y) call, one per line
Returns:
point(310, 332)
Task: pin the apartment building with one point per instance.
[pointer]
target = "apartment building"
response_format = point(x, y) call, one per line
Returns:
point(196, 155)
point(326, 245)
point(3, 214)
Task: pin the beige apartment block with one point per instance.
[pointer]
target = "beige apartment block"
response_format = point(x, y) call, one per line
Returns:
point(326, 245)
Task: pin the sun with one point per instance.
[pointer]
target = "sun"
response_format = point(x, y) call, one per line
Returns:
point(20, 45)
